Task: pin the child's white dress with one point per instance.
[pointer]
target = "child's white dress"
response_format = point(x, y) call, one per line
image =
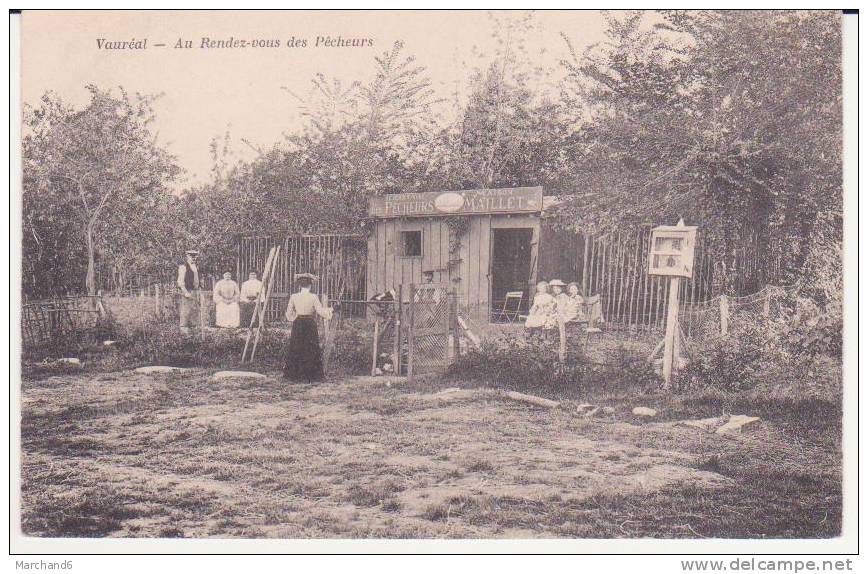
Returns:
point(543, 312)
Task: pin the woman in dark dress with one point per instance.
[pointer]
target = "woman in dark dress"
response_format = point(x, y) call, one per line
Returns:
point(304, 356)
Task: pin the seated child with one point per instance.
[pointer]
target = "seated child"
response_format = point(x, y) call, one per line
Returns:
point(571, 307)
point(561, 298)
point(543, 311)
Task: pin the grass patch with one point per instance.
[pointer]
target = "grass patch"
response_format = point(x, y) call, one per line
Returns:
point(766, 509)
point(479, 466)
point(378, 493)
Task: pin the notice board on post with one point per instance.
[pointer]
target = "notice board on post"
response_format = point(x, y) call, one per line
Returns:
point(672, 248)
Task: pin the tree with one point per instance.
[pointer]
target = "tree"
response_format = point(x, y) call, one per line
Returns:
point(95, 161)
point(728, 118)
point(399, 101)
point(508, 133)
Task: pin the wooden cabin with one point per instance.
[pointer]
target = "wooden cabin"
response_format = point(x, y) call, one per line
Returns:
point(482, 243)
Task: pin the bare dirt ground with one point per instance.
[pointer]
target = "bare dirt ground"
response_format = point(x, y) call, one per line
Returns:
point(128, 455)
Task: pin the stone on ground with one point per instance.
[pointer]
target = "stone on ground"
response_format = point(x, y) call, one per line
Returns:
point(156, 369)
point(736, 423)
point(531, 399)
point(221, 375)
point(644, 412)
point(69, 361)
point(708, 425)
point(588, 410)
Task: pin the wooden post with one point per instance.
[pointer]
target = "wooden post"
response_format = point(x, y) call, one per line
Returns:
point(203, 309)
point(724, 315)
point(261, 299)
point(453, 317)
point(327, 331)
point(274, 253)
point(374, 352)
point(396, 351)
point(562, 342)
point(585, 283)
point(324, 300)
point(157, 309)
point(669, 348)
point(411, 343)
point(99, 305)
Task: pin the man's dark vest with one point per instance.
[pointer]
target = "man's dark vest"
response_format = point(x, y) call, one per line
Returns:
point(190, 281)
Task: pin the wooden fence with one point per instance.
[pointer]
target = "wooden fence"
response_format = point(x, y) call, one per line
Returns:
point(613, 265)
point(49, 322)
point(616, 267)
point(338, 260)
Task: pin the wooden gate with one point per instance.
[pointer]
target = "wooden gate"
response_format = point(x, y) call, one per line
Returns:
point(430, 321)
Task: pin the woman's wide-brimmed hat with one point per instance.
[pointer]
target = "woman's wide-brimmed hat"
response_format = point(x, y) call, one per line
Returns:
point(310, 276)
point(557, 283)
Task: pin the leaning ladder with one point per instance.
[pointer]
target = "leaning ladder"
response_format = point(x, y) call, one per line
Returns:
point(258, 317)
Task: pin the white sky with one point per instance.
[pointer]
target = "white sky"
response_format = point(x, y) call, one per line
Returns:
point(207, 91)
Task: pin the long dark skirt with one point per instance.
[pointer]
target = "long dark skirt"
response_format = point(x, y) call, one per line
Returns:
point(303, 356)
point(247, 314)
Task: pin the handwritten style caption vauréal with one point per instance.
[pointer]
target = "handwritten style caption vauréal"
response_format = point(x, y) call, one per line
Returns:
point(234, 43)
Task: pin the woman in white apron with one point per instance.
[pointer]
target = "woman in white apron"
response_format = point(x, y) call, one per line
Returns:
point(226, 296)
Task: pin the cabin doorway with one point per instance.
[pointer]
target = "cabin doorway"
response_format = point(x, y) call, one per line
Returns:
point(510, 272)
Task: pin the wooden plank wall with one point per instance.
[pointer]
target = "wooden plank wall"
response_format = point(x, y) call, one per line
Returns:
point(387, 268)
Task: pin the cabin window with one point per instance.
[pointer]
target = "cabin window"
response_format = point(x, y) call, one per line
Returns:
point(411, 243)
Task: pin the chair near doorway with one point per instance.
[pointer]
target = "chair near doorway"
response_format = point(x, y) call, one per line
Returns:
point(511, 307)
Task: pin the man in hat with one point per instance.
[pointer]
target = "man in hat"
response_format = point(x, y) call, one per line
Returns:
point(188, 286)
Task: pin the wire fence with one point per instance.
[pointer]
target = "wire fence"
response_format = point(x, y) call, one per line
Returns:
point(716, 316)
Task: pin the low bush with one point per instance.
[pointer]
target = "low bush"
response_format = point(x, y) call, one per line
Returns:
point(626, 369)
point(729, 363)
point(524, 364)
point(807, 329)
point(798, 349)
point(160, 342)
point(351, 354)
